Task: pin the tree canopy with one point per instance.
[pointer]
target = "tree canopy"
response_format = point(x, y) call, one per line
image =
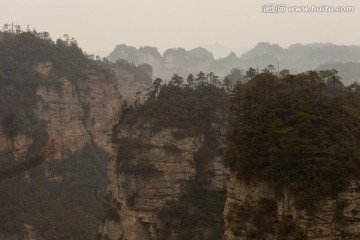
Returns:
point(299, 132)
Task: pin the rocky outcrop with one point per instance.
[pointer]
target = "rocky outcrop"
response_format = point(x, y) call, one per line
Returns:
point(56, 114)
point(74, 113)
point(30, 232)
point(91, 108)
point(160, 168)
point(335, 218)
point(127, 84)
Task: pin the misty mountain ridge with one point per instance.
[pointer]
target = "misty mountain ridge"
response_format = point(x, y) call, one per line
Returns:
point(297, 58)
point(175, 60)
point(218, 50)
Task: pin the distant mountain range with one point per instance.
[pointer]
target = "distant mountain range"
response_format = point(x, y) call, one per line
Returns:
point(218, 50)
point(176, 60)
point(299, 57)
point(296, 58)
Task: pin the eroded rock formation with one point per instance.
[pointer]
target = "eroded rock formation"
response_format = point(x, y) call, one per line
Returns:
point(162, 176)
point(335, 218)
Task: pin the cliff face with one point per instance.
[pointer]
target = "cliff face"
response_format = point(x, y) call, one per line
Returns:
point(55, 100)
point(156, 173)
point(77, 116)
point(73, 115)
point(127, 84)
point(336, 218)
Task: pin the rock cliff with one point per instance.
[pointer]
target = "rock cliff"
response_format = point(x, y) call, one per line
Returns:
point(156, 175)
point(55, 100)
point(336, 218)
point(72, 114)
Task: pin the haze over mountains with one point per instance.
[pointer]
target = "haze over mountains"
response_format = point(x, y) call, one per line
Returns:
point(94, 148)
point(296, 58)
point(218, 50)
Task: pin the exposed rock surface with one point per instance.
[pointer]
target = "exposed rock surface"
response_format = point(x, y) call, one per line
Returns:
point(57, 109)
point(74, 115)
point(30, 232)
point(335, 218)
point(127, 84)
point(157, 174)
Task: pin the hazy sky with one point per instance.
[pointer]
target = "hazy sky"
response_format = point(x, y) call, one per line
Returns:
point(99, 25)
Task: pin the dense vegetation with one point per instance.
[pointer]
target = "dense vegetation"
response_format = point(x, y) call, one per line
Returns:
point(66, 209)
point(198, 214)
point(23, 166)
point(264, 219)
point(299, 132)
point(190, 106)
